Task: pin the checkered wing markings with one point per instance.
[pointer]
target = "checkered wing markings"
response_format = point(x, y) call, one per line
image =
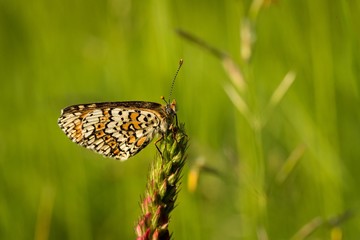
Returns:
point(113, 132)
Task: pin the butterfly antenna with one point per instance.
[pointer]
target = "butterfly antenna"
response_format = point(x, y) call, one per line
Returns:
point(173, 82)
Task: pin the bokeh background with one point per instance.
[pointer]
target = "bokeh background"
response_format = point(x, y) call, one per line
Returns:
point(274, 124)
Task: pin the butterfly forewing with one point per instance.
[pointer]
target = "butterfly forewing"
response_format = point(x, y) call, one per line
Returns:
point(115, 129)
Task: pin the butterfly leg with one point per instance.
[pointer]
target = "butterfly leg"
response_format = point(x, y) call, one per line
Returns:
point(161, 138)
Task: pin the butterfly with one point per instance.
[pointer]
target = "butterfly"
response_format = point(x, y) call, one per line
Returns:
point(117, 129)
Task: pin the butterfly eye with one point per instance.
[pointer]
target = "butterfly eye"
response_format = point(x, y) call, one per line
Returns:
point(170, 109)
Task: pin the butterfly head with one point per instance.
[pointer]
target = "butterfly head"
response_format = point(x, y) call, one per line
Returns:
point(170, 108)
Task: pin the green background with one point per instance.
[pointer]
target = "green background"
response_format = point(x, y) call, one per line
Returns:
point(264, 177)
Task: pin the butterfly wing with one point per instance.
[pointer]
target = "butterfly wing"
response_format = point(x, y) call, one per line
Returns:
point(118, 130)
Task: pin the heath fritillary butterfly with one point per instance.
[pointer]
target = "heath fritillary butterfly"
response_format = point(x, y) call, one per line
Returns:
point(117, 129)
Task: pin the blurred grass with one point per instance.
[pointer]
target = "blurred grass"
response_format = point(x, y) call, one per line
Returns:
point(55, 54)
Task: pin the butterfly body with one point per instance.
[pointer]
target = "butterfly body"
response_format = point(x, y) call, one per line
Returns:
point(116, 129)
